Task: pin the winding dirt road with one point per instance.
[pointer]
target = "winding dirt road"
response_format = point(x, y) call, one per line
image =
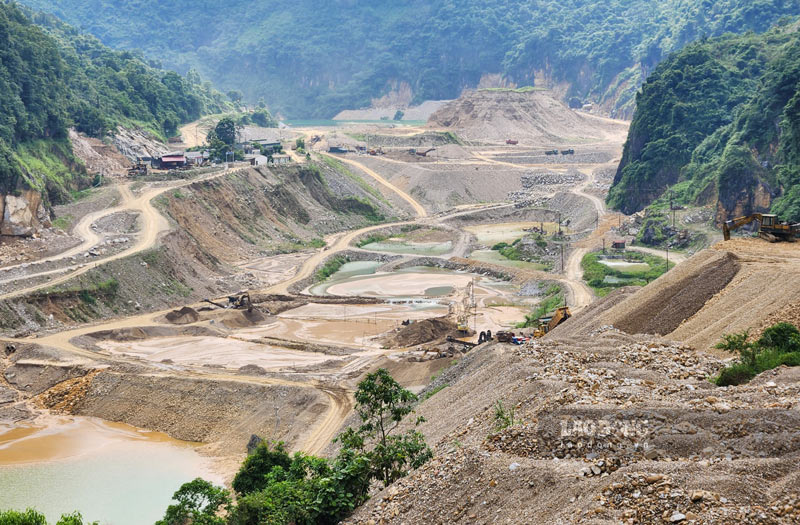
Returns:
point(151, 225)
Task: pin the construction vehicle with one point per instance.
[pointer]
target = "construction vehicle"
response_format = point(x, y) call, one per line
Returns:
point(770, 229)
point(466, 308)
point(547, 323)
point(551, 152)
point(504, 337)
point(425, 153)
point(138, 170)
point(568, 152)
point(240, 302)
point(511, 142)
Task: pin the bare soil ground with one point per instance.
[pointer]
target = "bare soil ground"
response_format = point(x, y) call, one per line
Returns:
point(535, 118)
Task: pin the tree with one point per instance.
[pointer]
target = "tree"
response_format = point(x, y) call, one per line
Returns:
point(198, 503)
point(235, 96)
point(784, 337)
point(225, 130)
point(738, 344)
point(31, 517)
point(263, 118)
point(382, 403)
point(252, 476)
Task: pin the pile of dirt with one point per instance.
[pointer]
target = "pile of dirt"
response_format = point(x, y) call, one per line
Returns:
point(530, 117)
point(419, 332)
point(244, 318)
point(676, 296)
point(186, 315)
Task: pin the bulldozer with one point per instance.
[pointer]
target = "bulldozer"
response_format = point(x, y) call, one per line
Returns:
point(138, 170)
point(547, 323)
point(770, 228)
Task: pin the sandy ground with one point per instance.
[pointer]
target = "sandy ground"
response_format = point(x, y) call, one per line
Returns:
point(354, 332)
point(213, 351)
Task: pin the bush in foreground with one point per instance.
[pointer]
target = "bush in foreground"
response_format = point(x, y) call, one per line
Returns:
point(778, 345)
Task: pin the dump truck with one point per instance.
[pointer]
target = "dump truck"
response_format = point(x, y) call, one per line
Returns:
point(551, 152)
point(547, 323)
point(512, 142)
point(770, 228)
point(568, 152)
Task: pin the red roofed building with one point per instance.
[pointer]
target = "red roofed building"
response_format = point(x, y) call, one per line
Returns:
point(172, 161)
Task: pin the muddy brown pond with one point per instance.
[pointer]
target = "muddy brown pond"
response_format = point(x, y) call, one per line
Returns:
point(111, 473)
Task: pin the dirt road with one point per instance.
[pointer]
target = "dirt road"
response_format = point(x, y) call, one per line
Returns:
point(151, 225)
point(418, 209)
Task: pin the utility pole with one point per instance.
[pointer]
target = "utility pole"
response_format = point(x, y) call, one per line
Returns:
point(667, 257)
point(604, 245)
point(562, 257)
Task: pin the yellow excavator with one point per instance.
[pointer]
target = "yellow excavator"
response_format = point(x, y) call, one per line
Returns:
point(770, 229)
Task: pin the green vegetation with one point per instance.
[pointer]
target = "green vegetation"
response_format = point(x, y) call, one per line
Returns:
point(778, 345)
point(718, 122)
point(52, 77)
point(273, 487)
point(553, 298)
point(371, 238)
point(503, 417)
point(604, 279)
point(435, 391)
point(510, 251)
point(31, 517)
point(330, 267)
point(344, 170)
point(64, 222)
point(312, 59)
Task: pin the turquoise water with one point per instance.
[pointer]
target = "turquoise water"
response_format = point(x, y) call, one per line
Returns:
point(348, 270)
point(421, 248)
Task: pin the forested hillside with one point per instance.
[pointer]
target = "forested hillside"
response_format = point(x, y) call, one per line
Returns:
point(310, 58)
point(719, 123)
point(52, 77)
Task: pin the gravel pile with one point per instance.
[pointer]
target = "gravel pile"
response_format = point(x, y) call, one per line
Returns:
point(605, 428)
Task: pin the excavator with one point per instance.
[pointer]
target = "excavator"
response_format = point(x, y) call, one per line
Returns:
point(770, 229)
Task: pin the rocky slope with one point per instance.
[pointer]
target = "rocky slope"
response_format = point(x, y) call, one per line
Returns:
point(717, 124)
point(598, 423)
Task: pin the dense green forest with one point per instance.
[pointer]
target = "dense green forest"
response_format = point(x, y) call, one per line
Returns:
point(719, 123)
point(312, 59)
point(53, 77)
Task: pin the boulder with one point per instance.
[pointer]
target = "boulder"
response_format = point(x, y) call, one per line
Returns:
point(21, 214)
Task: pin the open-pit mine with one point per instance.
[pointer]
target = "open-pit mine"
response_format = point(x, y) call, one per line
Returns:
point(174, 318)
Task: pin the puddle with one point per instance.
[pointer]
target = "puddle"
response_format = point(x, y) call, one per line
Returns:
point(110, 472)
point(411, 248)
point(624, 265)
